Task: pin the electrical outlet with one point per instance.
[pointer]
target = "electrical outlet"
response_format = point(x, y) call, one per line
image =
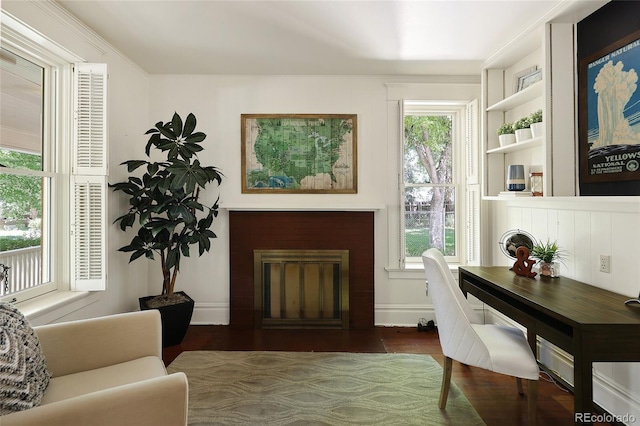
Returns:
point(605, 263)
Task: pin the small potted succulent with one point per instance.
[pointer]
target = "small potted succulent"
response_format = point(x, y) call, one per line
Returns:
point(523, 129)
point(537, 127)
point(549, 257)
point(506, 134)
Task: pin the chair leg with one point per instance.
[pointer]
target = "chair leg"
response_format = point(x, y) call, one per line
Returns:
point(446, 380)
point(519, 383)
point(532, 400)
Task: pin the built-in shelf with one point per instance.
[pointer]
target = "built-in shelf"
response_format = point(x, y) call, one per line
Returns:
point(518, 146)
point(523, 96)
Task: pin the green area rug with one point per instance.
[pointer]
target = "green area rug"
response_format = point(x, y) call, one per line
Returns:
point(318, 388)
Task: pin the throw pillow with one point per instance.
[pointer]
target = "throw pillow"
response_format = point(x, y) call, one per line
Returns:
point(23, 371)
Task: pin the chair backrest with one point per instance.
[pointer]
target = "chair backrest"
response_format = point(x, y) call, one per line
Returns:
point(454, 316)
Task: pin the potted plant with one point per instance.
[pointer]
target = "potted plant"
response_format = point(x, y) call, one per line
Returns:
point(549, 255)
point(522, 128)
point(164, 205)
point(506, 134)
point(537, 128)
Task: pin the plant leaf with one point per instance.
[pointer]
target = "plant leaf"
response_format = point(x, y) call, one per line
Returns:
point(195, 137)
point(189, 125)
point(176, 125)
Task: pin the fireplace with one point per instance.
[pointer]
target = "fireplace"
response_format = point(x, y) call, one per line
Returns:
point(301, 288)
point(252, 230)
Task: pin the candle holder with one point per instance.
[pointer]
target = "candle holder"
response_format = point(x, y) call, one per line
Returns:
point(515, 178)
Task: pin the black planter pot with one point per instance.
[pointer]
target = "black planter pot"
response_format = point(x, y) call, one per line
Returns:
point(175, 318)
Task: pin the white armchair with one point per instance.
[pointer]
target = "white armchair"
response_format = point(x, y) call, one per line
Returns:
point(107, 371)
point(465, 339)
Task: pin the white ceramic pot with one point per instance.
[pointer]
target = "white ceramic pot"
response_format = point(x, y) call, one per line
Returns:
point(507, 139)
point(523, 135)
point(537, 130)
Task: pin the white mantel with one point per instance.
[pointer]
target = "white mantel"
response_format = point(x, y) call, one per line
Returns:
point(300, 207)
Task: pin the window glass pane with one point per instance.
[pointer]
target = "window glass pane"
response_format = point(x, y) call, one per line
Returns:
point(20, 232)
point(429, 220)
point(21, 187)
point(20, 110)
point(428, 149)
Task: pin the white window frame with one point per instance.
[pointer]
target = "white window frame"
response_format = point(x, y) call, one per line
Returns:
point(456, 111)
point(465, 178)
point(58, 147)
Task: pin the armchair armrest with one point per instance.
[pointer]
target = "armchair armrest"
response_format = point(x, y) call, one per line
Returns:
point(157, 401)
point(83, 345)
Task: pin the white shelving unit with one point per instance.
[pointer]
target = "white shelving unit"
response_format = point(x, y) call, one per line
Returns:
point(549, 47)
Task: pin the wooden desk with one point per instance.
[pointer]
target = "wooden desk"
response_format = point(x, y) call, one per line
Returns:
point(591, 323)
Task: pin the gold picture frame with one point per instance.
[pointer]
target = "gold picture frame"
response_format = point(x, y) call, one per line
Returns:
point(299, 153)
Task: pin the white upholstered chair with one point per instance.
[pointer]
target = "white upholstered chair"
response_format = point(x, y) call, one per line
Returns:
point(106, 371)
point(465, 339)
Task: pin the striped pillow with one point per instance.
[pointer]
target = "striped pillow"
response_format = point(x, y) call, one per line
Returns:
point(23, 370)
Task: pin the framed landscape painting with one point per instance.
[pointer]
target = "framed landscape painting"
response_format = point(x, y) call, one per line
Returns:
point(299, 153)
point(609, 142)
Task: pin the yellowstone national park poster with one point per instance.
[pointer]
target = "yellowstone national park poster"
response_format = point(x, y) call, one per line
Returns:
point(610, 113)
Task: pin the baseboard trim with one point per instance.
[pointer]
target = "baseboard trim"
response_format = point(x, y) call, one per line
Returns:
point(210, 314)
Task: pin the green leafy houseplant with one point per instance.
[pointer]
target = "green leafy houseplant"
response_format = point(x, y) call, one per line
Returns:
point(164, 201)
point(535, 117)
point(506, 129)
point(547, 254)
point(522, 123)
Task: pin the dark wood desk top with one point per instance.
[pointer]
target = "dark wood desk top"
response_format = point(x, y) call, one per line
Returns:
point(572, 302)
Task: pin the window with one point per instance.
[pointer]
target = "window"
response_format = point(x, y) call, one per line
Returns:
point(44, 137)
point(26, 175)
point(434, 188)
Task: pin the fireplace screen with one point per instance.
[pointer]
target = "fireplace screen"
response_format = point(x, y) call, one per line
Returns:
point(301, 288)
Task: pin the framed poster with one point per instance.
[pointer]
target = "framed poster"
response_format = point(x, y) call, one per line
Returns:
point(529, 79)
point(299, 153)
point(518, 76)
point(609, 109)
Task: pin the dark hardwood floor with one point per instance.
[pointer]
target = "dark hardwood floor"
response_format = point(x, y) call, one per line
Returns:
point(494, 396)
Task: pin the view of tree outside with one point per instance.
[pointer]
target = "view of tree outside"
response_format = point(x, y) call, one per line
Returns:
point(20, 201)
point(21, 104)
point(429, 213)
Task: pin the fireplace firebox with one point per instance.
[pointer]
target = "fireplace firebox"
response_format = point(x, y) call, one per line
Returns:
point(301, 288)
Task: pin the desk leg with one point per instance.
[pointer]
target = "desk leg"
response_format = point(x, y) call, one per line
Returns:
point(533, 341)
point(582, 382)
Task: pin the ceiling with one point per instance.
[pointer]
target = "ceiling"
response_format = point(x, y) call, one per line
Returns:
point(309, 37)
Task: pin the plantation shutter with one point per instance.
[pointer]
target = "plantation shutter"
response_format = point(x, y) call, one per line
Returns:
point(89, 178)
point(473, 195)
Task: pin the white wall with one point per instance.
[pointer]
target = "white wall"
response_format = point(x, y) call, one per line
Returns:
point(585, 228)
point(128, 118)
point(219, 101)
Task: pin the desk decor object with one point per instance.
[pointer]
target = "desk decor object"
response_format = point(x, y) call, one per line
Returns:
point(549, 255)
point(299, 153)
point(523, 264)
point(514, 238)
point(633, 302)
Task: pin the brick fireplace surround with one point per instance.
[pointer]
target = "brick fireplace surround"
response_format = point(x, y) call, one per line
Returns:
point(301, 230)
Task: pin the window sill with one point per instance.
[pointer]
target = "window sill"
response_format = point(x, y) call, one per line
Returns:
point(414, 271)
point(52, 306)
